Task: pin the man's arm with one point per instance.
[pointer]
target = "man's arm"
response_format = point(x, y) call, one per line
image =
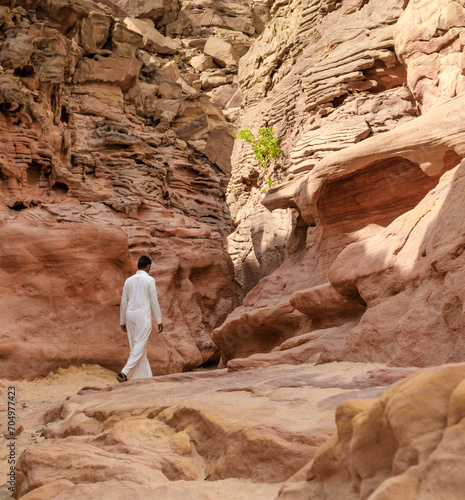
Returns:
point(154, 305)
point(123, 306)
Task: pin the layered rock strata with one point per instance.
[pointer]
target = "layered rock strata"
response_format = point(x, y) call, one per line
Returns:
point(368, 111)
point(116, 132)
point(325, 75)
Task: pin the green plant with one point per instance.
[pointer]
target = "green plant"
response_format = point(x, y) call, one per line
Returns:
point(265, 147)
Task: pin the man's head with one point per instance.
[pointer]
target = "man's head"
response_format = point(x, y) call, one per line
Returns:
point(143, 262)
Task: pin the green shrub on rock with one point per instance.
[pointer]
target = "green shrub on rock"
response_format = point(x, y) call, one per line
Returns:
point(265, 147)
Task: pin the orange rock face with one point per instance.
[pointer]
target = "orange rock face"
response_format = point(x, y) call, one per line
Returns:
point(368, 189)
point(58, 303)
point(111, 147)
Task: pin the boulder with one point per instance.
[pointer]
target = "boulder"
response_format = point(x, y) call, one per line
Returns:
point(222, 96)
point(202, 62)
point(403, 445)
point(170, 90)
point(197, 118)
point(168, 72)
point(231, 16)
point(214, 78)
point(218, 149)
point(95, 31)
point(181, 26)
point(154, 10)
point(138, 33)
point(221, 52)
point(121, 71)
point(17, 52)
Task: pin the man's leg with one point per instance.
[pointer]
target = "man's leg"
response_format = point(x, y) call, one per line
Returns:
point(138, 334)
point(142, 369)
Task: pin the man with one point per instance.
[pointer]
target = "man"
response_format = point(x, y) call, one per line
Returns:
point(138, 303)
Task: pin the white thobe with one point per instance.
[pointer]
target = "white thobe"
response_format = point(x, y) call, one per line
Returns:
point(138, 303)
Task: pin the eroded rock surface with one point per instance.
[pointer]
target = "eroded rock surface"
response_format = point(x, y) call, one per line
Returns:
point(205, 434)
point(325, 75)
point(367, 108)
point(115, 142)
point(406, 444)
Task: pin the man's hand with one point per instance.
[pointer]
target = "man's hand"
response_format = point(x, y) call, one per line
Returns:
point(123, 327)
point(160, 327)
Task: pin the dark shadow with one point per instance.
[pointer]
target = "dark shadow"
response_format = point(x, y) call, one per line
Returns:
point(376, 194)
point(34, 173)
point(60, 188)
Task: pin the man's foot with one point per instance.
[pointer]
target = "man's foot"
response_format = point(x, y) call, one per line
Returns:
point(121, 377)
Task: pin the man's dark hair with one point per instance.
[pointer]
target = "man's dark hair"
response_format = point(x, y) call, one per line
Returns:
point(143, 262)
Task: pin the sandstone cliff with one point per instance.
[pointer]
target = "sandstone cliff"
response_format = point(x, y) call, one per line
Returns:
point(117, 122)
point(362, 243)
point(116, 132)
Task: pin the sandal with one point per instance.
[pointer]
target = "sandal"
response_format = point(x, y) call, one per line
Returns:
point(121, 377)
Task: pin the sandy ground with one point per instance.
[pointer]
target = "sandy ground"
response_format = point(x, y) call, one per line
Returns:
point(35, 397)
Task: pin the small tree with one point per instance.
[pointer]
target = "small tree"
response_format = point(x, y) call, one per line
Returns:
point(265, 147)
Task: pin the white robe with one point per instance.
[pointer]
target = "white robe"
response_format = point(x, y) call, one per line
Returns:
point(138, 303)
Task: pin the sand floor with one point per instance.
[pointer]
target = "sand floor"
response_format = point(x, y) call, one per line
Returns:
point(35, 397)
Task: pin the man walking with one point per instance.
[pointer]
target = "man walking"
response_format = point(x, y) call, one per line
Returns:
point(138, 303)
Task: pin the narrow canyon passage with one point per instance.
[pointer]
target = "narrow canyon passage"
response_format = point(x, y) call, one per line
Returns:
point(313, 304)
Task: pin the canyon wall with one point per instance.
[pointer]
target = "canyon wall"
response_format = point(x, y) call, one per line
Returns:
point(365, 259)
point(117, 123)
point(115, 139)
